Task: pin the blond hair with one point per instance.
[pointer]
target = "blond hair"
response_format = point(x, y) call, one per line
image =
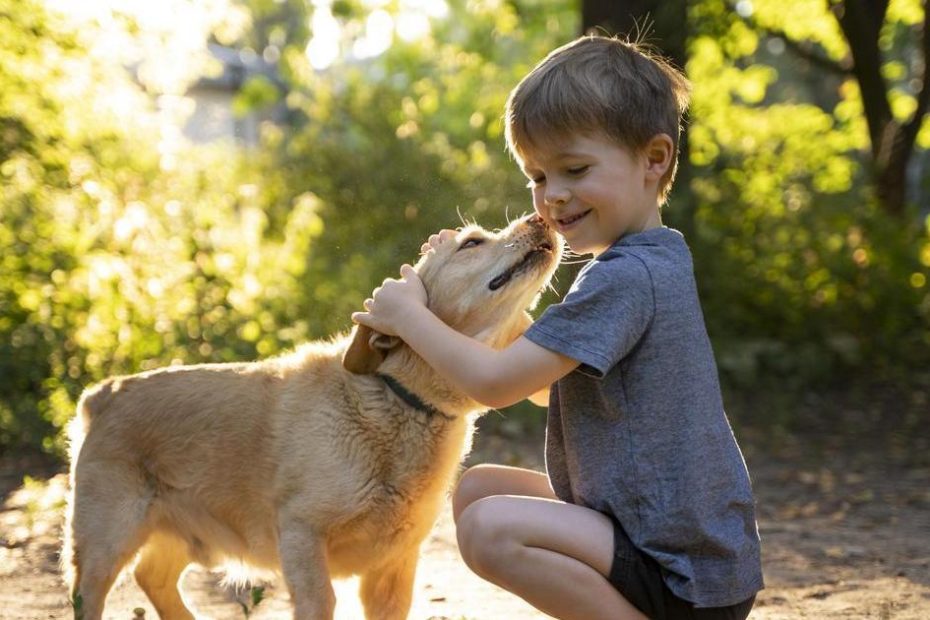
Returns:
point(601, 85)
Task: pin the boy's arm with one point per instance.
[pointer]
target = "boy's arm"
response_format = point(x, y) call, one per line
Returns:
point(495, 378)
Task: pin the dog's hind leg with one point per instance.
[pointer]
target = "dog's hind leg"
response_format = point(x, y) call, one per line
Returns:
point(161, 564)
point(107, 528)
point(387, 592)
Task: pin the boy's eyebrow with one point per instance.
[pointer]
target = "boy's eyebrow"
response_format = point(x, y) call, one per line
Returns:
point(559, 156)
point(570, 155)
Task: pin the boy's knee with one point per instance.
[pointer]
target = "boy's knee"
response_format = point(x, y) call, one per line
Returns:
point(486, 538)
point(469, 489)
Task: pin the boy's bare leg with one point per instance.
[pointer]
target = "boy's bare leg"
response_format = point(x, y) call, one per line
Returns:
point(483, 481)
point(556, 556)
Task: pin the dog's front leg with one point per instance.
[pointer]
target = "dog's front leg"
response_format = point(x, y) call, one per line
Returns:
point(303, 562)
point(387, 592)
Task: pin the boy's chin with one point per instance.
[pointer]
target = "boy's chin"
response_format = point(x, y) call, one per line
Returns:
point(584, 249)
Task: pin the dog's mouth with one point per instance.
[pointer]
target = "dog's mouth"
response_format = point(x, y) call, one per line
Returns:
point(539, 253)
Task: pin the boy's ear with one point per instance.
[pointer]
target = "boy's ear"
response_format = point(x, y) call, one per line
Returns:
point(660, 153)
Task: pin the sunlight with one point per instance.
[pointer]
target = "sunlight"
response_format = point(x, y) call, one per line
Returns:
point(134, 218)
point(412, 26)
point(410, 22)
point(163, 45)
point(164, 42)
point(323, 48)
point(379, 33)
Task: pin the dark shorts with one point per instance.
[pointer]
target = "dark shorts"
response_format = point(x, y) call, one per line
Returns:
point(638, 578)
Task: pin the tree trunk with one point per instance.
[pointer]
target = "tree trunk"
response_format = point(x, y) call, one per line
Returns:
point(664, 26)
point(891, 165)
point(892, 142)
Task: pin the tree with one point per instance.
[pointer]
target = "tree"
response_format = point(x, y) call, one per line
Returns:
point(873, 36)
point(803, 125)
point(866, 58)
point(892, 140)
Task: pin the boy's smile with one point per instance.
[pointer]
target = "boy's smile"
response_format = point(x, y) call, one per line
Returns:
point(570, 221)
point(593, 191)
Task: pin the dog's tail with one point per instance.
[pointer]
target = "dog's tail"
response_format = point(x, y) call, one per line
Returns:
point(93, 402)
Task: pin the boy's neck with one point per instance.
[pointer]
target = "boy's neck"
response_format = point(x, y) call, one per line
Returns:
point(653, 220)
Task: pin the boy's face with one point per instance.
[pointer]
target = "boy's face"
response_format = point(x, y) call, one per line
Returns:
point(593, 191)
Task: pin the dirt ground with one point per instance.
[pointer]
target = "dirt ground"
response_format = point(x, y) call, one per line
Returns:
point(845, 524)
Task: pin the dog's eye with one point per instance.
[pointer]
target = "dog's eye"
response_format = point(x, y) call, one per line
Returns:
point(471, 243)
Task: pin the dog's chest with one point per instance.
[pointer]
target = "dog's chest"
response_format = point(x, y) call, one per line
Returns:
point(390, 524)
point(397, 493)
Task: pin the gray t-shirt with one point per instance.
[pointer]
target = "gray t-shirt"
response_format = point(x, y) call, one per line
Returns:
point(638, 430)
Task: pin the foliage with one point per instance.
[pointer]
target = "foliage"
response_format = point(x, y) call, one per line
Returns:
point(123, 250)
point(803, 276)
point(115, 259)
point(256, 594)
point(402, 146)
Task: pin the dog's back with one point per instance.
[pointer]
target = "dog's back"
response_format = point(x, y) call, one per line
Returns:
point(184, 450)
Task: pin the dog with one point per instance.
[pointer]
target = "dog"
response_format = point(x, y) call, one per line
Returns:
point(330, 461)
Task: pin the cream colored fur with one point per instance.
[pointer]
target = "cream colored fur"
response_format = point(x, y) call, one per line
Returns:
point(292, 465)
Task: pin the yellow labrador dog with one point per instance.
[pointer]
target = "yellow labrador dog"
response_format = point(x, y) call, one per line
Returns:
point(331, 461)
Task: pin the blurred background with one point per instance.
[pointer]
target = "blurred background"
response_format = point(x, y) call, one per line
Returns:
point(191, 181)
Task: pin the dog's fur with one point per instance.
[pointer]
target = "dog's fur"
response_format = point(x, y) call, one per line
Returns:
point(292, 465)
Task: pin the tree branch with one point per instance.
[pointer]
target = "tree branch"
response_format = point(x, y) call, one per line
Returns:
point(923, 97)
point(857, 21)
point(807, 52)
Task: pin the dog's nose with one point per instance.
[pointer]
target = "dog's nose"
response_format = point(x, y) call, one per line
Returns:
point(536, 220)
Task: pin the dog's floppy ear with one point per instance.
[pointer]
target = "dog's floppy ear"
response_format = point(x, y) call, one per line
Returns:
point(367, 350)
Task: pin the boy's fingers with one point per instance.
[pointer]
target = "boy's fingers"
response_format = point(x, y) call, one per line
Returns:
point(441, 237)
point(367, 303)
point(435, 239)
point(406, 271)
point(432, 243)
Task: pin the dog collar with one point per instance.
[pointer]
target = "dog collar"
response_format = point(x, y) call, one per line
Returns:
point(410, 398)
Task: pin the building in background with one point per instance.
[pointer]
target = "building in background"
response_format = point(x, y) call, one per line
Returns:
point(216, 115)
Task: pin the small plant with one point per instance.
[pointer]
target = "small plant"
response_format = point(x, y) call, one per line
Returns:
point(256, 595)
point(77, 604)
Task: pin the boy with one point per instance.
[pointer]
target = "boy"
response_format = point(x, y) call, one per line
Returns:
point(646, 508)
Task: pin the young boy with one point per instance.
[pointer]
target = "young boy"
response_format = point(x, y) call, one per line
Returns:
point(647, 508)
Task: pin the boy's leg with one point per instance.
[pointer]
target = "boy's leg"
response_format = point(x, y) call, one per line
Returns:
point(554, 555)
point(483, 481)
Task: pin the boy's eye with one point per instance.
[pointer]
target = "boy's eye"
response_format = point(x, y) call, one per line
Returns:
point(536, 182)
point(471, 243)
point(578, 170)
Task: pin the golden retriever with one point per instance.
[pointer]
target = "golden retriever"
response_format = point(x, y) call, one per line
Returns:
point(331, 461)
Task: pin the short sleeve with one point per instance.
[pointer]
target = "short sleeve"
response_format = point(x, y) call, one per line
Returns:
point(605, 313)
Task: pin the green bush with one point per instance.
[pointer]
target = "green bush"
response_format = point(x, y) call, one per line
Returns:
point(119, 256)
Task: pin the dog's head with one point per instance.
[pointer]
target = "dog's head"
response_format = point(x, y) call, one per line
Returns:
point(480, 283)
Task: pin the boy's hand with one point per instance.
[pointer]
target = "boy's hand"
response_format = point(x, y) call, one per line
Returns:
point(392, 302)
point(436, 239)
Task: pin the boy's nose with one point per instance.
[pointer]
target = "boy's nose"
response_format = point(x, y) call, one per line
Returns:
point(556, 194)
